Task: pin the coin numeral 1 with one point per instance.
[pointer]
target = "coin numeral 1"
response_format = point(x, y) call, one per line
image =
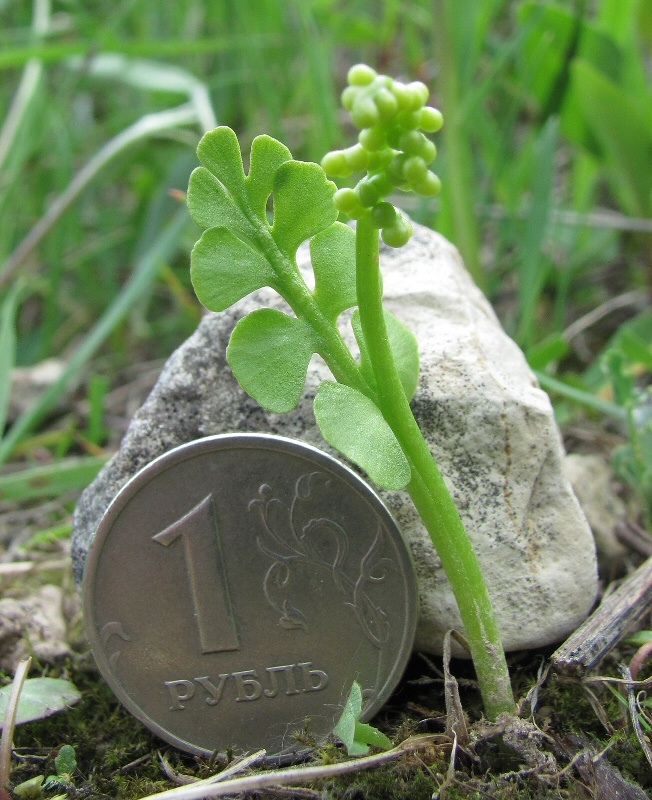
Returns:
point(200, 534)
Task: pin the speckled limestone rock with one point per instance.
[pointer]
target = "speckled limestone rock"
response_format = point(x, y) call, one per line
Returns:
point(595, 487)
point(488, 423)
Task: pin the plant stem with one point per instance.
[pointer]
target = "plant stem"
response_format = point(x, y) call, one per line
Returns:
point(428, 489)
point(292, 288)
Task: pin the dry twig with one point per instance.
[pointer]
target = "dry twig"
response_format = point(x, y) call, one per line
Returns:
point(607, 625)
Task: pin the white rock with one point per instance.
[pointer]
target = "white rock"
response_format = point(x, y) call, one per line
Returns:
point(489, 425)
point(33, 625)
point(595, 488)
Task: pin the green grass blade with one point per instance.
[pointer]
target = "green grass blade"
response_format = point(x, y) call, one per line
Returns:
point(582, 398)
point(316, 46)
point(97, 390)
point(7, 349)
point(146, 126)
point(617, 17)
point(459, 188)
point(621, 124)
point(25, 93)
point(52, 480)
point(533, 263)
point(152, 76)
point(54, 52)
point(28, 86)
point(143, 275)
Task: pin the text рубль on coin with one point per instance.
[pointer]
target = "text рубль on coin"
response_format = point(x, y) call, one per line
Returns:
point(247, 685)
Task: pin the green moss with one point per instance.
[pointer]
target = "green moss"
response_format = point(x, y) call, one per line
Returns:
point(105, 738)
point(118, 757)
point(381, 784)
point(625, 753)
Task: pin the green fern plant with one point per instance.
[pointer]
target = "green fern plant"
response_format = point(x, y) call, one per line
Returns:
point(365, 411)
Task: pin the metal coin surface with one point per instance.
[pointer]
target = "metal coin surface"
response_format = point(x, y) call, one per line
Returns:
point(238, 585)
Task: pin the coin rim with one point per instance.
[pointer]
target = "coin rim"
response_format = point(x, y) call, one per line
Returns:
point(231, 441)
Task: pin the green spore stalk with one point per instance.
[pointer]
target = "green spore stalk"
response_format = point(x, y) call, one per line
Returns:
point(365, 412)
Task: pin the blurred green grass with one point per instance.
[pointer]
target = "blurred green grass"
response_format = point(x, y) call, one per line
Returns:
point(546, 158)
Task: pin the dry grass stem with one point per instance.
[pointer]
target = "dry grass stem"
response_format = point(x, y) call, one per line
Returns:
point(9, 722)
point(289, 776)
point(633, 713)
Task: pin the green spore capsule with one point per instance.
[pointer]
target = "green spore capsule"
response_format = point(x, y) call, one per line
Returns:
point(398, 234)
point(415, 169)
point(395, 168)
point(412, 143)
point(394, 136)
point(373, 188)
point(391, 147)
point(364, 113)
point(430, 119)
point(386, 103)
point(383, 215)
point(429, 186)
point(379, 160)
point(335, 163)
point(428, 150)
point(381, 182)
point(420, 94)
point(409, 120)
point(357, 158)
point(346, 200)
point(368, 193)
point(402, 95)
point(361, 75)
point(373, 138)
point(348, 96)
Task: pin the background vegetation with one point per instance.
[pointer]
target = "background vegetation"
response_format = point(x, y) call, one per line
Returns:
point(546, 159)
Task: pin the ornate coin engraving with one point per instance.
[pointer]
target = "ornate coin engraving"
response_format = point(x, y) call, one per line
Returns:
point(322, 544)
point(109, 630)
point(199, 532)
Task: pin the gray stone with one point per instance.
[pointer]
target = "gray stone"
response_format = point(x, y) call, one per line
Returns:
point(596, 489)
point(489, 425)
